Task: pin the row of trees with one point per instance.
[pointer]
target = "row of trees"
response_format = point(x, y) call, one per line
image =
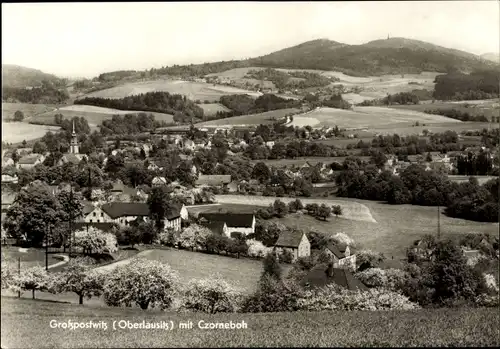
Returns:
point(480, 84)
point(243, 104)
point(130, 124)
point(162, 102)
point(402, 98)
point(427, 188)
point(285, 80)
point(457, 114)
point(46, 94)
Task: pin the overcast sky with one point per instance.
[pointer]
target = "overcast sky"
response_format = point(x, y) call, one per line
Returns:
point(86, 39)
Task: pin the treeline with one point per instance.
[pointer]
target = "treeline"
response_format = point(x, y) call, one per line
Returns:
point(285, 80)
point(475, 164)
point(198, 70)
point(457, 115)
point(116, 75)
point(162, 102)
point(402, 98)
point(482, 84)
point(46, 94)
point(243, 104)
point(426, 188)
point(129, 124)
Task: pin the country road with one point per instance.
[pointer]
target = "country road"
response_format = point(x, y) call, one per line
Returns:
point(111, 266)
point(351, 210)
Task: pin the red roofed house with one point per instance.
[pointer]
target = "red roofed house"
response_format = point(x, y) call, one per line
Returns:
point(294, 241)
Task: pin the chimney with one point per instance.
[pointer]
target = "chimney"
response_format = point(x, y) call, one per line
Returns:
point(329, 270)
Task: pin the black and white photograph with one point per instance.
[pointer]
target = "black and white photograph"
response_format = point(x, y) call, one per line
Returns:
point(250, 174)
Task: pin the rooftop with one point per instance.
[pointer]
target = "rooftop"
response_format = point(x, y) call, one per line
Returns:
point(240, 220)
point(319, 277)
point(289, 239)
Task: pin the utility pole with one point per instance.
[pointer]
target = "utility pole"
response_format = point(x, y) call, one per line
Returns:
point(70, 220)
point(19, 273)
point(439, 222)
point(47, 250)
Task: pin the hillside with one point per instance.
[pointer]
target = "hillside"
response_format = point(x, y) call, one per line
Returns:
point(391, 56)
point(492, 56)
point(21, 77)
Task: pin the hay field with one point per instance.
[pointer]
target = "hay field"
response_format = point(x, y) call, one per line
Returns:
point(268, 117)
point(192, 90)
point(365, 117)
point(351, 210)
point(15, 132)
point(212, 108)
point(93, 115)
point(29, 110)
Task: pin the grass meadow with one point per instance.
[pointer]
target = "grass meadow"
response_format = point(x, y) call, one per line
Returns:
point(94, 115)
point(29, 110)
point(16, 132)
point(192, 90)
point(212, 108)
point(26, 324)
point(366, 117)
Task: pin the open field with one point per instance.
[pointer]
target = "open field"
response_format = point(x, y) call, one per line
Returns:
point(192, 90)
point(93, 115)
point(25, 324)
point(365, 117)
point(487, 108)
point(351, 210)
point(29, 110)
point(29, 258)
point(302, 161)
point(268, 117)
point(396, 227)
point(212, 108)
point(15, 132)
point(405, 130)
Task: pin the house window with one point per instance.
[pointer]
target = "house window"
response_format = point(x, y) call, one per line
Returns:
point(91, 221)
point(102, 214)
point(94, 214)
point(98, 221)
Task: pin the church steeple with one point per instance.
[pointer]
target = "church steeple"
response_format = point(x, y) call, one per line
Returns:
point(73, 148)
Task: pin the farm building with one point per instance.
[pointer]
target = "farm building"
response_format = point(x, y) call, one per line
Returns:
point(243, 223)
point(342, 256)
point(158, 181)
point(27, 162)
point(323, 275)
point(218, 228)
point(124, 213)
point(213, 180)
point(9, 179)
point(294, 241)
point(121, 192)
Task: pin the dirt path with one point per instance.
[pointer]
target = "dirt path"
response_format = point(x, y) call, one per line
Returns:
point(111, 266)
point(351, 210)
point(64, 261)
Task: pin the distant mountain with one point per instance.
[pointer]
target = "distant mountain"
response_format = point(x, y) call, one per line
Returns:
point(492, 56)
point(21, 77)
point(390, 56)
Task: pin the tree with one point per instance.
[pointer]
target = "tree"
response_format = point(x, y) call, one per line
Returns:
point(32, 279)
point(272, 267)
point(15, 156)
point(211, 295)
point(337, 210)
point(261, 172)
point(324, 211)
point(295, 205)
point(143, 282)
point(80, 277)
point(18, 116)
point(34, 212)
point(280, 208)
point(451, 277)
point(39, 147)
point(93, 240)
point(159, 203)
point(368, 259)
point(194, 236)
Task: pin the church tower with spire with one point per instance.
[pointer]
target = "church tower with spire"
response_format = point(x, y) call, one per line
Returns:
point(73, 148)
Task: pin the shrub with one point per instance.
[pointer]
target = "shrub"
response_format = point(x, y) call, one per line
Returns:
point(294, 206)
point(95, 241)
point(343, 238)
point(337, 210)
point(211, 295)
point(286, 256)
point(31, 279)
point(256, 249)
point(333, 297)
point(8, 271)
point(271, 266)
point(142, 282)
point(373, 277)
point(368, 259)
point(273, 296)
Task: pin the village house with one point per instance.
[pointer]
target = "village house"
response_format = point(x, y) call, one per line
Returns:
point(322, 275)
point(9, 179)
point(294, 241)
point(243, 223)
point(121, 192)
point(213, 180)
point(8, 198)
point(124, 213)
point(341, 255)
point(158, 181)
point(218, 228)
point(27, 162)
